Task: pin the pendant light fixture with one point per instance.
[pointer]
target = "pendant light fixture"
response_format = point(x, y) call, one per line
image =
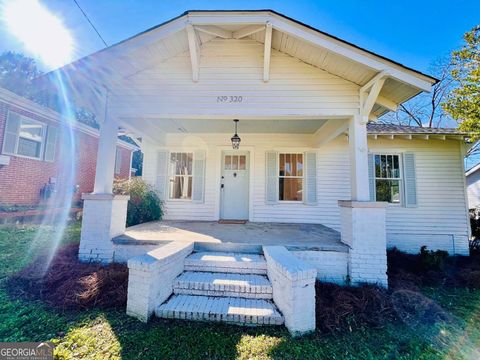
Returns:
point(235, 138)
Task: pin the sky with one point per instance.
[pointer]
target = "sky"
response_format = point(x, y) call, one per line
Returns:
point(414, 33)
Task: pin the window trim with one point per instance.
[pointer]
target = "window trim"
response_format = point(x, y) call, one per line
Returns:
point(401, 179)
point(169, 175)
point(291, 177)
point(42, 144)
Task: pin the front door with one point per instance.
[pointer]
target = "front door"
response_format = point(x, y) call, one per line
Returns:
point(234, 185)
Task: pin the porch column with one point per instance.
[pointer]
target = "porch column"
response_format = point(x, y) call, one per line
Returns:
point(358, 147)
point(104, 214)
point(363, 221)
point(107, 145)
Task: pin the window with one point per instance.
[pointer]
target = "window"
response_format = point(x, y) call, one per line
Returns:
point(30, 138)
point(27, 137)
point(388, 180)
point(118, 161)
point(235, 162)
point(290, 177)
point(181, 175)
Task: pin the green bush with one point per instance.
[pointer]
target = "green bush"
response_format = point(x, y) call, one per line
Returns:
point(144, 204)
point(432, 260)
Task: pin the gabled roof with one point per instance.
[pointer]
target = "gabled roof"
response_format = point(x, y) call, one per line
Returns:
point(472, 170)
point(308, 44)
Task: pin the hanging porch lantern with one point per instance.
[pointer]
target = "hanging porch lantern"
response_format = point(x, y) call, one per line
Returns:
point(235, 138)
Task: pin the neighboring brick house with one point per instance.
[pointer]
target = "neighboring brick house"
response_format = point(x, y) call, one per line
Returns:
point(31, 143)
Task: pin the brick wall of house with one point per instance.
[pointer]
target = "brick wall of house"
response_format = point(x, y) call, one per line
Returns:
point(22, 180)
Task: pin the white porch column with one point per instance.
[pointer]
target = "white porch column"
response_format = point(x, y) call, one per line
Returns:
point(362, 221)
point(107, 145)
point(104, 214)
point(358, 147)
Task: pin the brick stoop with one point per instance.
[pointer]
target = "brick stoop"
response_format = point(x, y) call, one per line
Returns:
point(226, 287)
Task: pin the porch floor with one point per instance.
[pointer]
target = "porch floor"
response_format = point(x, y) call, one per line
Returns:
point(314, 237)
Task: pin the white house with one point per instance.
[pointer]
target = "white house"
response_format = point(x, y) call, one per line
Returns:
point(308, 155)
point(473, 186)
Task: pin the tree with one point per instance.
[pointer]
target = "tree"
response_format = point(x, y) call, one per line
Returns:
point(425, 109)
point(17, 72)
point(463, 103)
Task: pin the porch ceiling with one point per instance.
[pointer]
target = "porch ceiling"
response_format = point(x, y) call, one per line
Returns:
point(266, 126)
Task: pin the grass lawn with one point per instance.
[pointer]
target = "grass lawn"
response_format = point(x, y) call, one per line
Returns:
point(112, 334)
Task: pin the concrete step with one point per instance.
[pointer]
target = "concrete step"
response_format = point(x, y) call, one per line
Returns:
point(225, 262)
point(223, 284)
point(223, 309)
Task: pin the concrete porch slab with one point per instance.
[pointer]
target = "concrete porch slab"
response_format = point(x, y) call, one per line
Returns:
point(208, 235)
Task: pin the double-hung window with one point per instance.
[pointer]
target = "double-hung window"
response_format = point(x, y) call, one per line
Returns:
point(181, 175)
point(388, 178)
point(29, 138)
point(291, 177)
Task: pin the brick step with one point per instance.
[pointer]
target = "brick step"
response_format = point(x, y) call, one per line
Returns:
point(223, 309)
point(223, 284)
point(225, 262)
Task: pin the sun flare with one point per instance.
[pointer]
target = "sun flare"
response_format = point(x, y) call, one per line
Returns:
point(42, 33)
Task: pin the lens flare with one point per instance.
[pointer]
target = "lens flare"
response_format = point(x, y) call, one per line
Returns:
point(41, 32)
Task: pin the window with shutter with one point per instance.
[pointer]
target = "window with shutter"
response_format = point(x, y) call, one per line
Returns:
point(118, 161)
point(50, 144)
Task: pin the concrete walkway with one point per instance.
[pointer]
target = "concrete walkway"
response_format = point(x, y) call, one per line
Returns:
point(294, 236)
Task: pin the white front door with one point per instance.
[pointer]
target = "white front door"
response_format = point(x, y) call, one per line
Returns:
point(234, 185)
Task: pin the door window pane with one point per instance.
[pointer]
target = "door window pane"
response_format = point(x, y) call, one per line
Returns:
point(228, 162)
point(234, 162)
point(242, 165)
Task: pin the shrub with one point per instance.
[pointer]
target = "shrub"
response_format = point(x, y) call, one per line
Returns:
point(432, 260)
point(144, 204)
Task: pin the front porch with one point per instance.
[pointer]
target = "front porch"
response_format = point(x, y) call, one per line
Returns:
point(212, 234)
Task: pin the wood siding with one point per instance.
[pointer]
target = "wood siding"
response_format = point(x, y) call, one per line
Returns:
point(235, 68)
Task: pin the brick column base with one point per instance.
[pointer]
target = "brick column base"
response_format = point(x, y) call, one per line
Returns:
point(363, 230)
point(104, 217)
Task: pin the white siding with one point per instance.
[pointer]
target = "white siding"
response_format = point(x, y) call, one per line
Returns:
point(473, 189)
point(234, 67)
point(439, 220)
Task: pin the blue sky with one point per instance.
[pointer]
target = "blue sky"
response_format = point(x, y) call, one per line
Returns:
point(414, 33)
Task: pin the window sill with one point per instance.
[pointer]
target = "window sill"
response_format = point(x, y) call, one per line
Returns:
point(26, 157)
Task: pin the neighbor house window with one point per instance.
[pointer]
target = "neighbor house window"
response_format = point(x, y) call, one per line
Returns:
point(388, 178)
point(30, 138)
point(290, 177)
point(181, 175)
point(118, 161)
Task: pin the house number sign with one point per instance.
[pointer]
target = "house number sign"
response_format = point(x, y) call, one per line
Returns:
point(229, 99)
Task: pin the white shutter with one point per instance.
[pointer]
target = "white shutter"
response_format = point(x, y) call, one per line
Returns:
point(198, 176)
point(50, 144)
point(11, 133)
point(162, 173)
point(371, 176)
point(118, 161)
point(310, 189)
point(410, 179)
point(271, 177)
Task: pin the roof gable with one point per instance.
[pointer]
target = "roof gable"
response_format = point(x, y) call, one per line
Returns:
point(289, 36)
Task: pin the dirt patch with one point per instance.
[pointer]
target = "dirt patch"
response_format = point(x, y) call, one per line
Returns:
point(70, 284)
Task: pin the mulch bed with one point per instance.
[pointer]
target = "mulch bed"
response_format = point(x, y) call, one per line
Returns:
point(345, 308)
point(71, 284)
